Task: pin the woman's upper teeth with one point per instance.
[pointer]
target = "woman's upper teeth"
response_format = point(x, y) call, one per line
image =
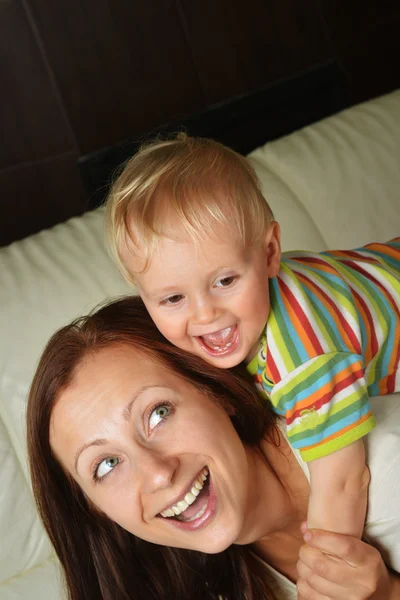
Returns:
point(189, 498)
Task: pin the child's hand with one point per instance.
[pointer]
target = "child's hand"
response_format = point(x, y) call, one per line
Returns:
point(332, 566)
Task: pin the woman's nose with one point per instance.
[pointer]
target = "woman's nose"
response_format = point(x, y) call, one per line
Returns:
point(156, 471)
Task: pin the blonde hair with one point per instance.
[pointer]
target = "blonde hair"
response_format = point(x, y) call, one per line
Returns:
point(205, 184)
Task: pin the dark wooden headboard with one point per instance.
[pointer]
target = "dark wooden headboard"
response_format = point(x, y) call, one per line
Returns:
point(242, 123)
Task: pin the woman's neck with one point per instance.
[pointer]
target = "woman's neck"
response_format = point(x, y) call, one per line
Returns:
point(280, 543)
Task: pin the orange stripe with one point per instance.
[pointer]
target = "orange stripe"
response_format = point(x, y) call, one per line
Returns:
point(344, 254)
point(310, 400)
point(394, 356)
point(385, 250)
point(364, 319)
point(296, 322)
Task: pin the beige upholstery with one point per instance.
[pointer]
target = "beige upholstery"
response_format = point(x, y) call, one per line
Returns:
point(334, 184)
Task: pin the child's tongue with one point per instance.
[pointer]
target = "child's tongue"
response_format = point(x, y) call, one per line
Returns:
point(219, 338)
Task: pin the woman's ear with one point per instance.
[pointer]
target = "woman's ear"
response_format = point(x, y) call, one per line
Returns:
point(272, 246)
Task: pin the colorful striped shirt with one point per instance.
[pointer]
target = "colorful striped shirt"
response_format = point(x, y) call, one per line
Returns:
point(332, 340)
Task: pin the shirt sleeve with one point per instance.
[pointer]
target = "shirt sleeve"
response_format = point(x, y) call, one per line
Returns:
point(325, 403)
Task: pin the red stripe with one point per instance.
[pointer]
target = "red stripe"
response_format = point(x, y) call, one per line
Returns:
point(313, 260)
point(338, 386)
point(374, 346)
point(391, 378)
point(295, 306)
point(349, 331)
point(378, 284)
point(271, 369)
point(344, 254)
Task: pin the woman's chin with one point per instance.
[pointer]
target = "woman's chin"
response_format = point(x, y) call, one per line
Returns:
point(219, 539)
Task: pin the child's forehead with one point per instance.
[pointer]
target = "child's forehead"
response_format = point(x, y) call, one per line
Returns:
point(179, 250)
point(187, 226)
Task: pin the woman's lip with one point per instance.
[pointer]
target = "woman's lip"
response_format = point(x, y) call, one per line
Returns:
point(205, 518)
point(227, 351)
point(182, 496)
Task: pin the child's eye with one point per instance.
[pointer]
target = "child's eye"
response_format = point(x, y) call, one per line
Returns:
point(104, 467)
point(225, 281)
point(172, 299)
point(158, 414)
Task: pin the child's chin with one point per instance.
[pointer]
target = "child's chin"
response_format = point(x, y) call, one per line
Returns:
point(223, 362)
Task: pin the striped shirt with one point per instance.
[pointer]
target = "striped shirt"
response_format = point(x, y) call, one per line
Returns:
point(332, 340)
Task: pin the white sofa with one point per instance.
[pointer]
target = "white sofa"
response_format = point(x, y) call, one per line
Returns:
point(333, 184)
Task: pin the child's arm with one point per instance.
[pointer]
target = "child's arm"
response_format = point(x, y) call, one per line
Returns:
point(339, 491)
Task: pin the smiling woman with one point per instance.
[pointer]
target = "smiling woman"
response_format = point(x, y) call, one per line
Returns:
point(124, 429)
point(159, 476)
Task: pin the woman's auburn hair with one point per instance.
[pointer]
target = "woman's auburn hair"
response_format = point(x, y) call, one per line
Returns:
point(102, 561)
point(202, 183)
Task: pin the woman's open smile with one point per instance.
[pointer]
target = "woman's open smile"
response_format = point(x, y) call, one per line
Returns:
point(196, 509)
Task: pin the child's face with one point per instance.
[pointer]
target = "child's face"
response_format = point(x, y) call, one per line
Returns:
point(210, 299)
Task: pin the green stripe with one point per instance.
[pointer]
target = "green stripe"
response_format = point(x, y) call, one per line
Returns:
point(340, 442)
point(308, 376)
point(358, 402)
point(341, 409)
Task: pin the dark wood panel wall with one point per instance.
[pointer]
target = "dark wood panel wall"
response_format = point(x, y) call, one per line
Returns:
point(79, 75)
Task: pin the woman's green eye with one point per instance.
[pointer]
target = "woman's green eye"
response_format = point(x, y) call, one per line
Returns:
point(106, 466)
point(158, 414)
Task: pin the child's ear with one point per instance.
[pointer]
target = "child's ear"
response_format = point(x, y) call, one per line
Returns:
point(272, 245)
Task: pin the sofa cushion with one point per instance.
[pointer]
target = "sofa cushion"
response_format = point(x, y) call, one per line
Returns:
point(343, 174)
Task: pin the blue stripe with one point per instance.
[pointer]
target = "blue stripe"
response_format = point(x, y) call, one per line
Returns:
point(338, 426)
point(347, 359)
point(288, 325)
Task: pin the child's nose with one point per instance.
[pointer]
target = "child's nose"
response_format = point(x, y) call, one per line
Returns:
point(204, 312)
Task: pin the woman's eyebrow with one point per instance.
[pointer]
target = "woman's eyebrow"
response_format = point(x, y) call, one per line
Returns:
point(126, 414)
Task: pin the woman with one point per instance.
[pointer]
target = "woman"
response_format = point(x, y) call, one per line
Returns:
point(158, 476)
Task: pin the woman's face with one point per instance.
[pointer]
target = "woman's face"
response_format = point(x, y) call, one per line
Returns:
point(144, 444)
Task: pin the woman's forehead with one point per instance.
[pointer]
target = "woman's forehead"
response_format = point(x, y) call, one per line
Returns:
point(104, 384)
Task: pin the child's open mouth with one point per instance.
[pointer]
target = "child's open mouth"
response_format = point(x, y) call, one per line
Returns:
point(222, 342)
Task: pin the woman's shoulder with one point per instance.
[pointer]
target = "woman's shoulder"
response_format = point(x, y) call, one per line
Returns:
point(383, 458)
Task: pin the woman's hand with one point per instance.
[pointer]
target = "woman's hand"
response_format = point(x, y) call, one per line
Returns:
point(332, 566)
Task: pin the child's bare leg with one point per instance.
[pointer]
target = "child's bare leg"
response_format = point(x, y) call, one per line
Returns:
point(339, 491)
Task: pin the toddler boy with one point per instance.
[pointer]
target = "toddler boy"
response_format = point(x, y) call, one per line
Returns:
point(319, 333)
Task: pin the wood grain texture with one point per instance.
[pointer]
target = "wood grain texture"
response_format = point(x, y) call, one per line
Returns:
point(371, 61)
point(32, 122)
point(38, 195)
point(239, 46)
point(345, 20)
point(121, 67)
